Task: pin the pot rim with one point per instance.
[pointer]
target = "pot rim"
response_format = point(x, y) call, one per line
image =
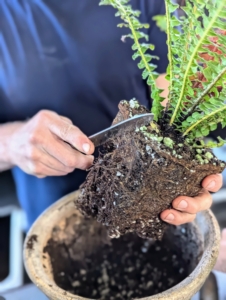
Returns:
point(42, 278)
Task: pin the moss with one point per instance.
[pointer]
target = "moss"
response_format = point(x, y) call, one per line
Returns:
point(208, 155)
point(168, 142)
point(143, 128)
point(199, 151)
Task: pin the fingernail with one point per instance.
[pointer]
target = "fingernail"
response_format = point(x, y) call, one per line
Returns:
point(86, 148)
point(170, 217)
point(183, 204)
point(211, 185)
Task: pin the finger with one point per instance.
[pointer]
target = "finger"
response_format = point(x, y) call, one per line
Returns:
point(213, 182)
point(67, 156)
point(175, 217)
point(54, 164)
point(40, 170)
point(48, 171)
point(73, 135)
point(193, 205)
point(40, 155)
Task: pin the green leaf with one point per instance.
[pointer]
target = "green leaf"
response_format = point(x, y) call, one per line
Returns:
point(160, 22)
point(194, 53)
point(142, 50)
point(197, 63)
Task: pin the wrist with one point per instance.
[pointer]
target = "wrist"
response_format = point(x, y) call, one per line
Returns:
point(7, 131)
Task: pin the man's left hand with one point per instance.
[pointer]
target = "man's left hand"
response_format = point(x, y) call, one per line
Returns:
point(185, 208)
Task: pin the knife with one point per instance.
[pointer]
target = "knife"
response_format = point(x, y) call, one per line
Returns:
point(101, 137)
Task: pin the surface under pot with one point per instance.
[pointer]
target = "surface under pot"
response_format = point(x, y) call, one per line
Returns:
point(70, 257)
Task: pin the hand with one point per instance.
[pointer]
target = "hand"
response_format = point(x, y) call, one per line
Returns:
point(38, 146)
point(221, 261)
point(185, 208)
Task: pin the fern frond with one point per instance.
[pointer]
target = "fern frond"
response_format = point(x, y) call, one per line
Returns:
point(206, 123)
point(210, 144)
point(210, 89)
point(202, 57)
point(142, 50)
point(169, 42)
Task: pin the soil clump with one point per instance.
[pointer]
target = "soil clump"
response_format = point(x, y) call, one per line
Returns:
point(138, 175)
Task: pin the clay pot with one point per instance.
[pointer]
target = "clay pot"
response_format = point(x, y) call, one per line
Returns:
point(39, 267)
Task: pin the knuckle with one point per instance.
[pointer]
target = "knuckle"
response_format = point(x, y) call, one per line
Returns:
point(71, 162)
point(209, 203)
point(43, 114)
point(42, 117)
point(64, 130)
point(194, 208)
point(205, 201)
point(34, 137)
point(85, 164)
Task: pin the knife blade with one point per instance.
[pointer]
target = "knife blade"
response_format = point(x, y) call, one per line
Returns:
point(102, 137)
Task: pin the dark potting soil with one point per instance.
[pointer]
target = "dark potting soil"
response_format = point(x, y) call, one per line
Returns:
point(138, 176)
point(86, 262)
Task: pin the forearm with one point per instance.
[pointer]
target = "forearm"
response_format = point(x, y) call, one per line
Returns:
point(6, 132)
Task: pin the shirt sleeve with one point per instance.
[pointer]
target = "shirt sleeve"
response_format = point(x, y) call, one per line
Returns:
point(158, 37)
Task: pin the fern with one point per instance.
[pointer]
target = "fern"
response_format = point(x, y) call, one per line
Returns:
point(201, 40)
point(197, 64)
point(208, 123)
point(142, 50)
point(210, 144)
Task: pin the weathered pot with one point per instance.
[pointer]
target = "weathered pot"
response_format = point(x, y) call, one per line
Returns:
point(39, 268)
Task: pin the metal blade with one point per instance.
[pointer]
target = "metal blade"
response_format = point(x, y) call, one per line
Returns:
point(136, 121)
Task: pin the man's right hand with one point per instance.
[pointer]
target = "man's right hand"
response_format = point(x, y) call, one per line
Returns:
point(38, 146)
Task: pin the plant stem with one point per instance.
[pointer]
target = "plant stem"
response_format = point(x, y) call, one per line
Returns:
point(169, 41)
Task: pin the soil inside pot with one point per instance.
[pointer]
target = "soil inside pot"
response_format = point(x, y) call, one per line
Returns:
point(139, 174)
point(86, 262)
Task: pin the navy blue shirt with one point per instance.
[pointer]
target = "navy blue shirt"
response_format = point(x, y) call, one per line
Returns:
point(67, 56)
